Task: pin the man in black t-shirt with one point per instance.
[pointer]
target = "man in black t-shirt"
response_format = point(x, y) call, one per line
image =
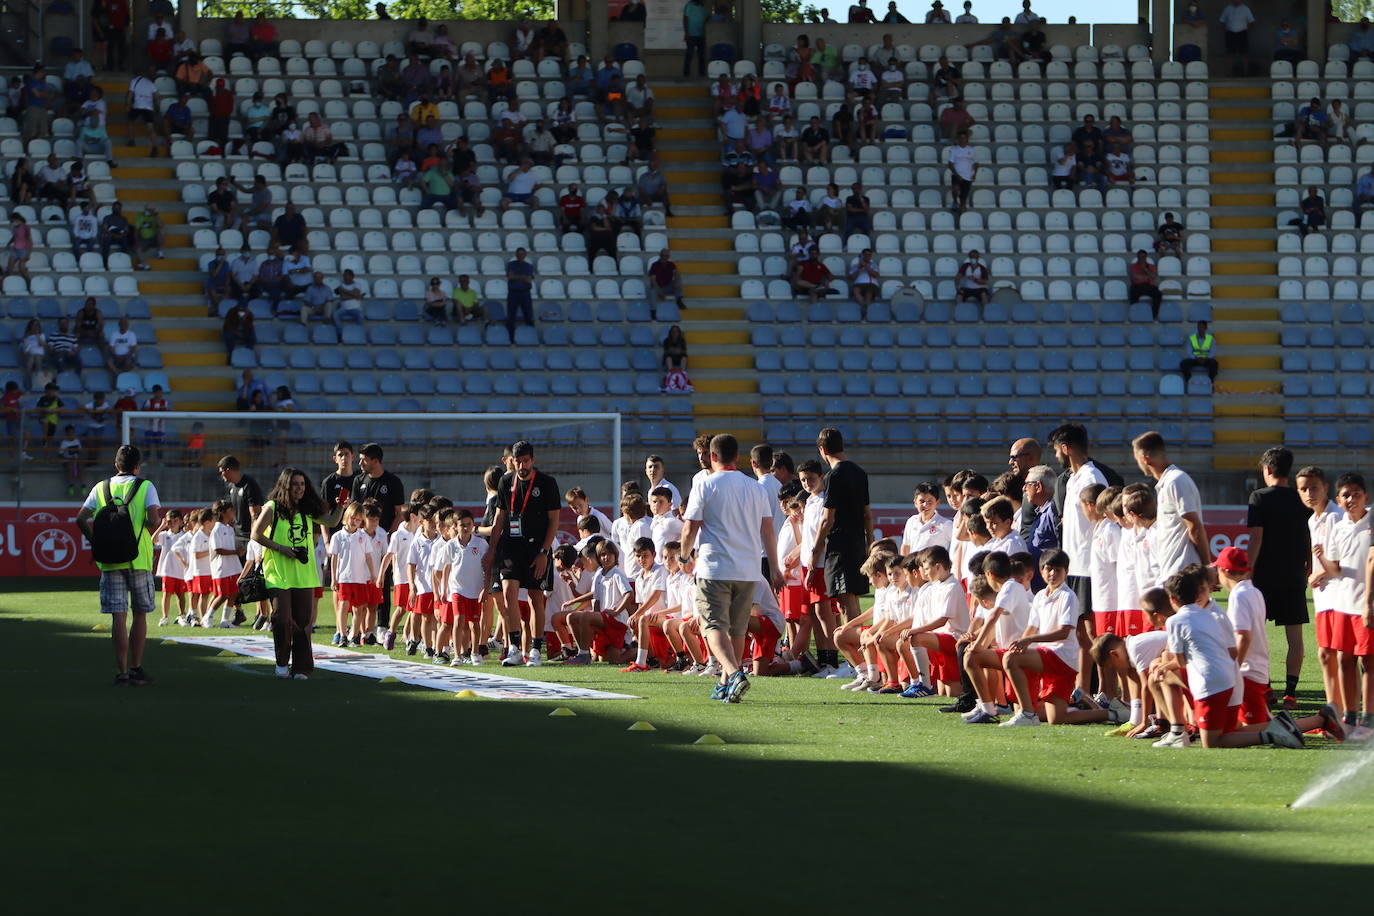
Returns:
point(527, 507)
point(337, 488)
point(243, 491)
point(1277, 519)
point(846, 528)
point(376, 482)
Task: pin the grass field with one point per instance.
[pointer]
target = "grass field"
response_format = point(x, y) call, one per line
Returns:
point(221, 788)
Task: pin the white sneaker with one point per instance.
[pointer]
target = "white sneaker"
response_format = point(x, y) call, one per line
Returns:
point(712, 670)
point(859, 683)
point(824, 672)
point(474, 659)
point(226, 624)
point(162, 622)
point(458, 661)
point(534, 659)
point(1021, 718)
point(694, 668)
point(842, 672)
point(282, 671)
point(182, 621)
point(514, 657)
point(1359, 734)
point(1179, 740)
point(208, 622)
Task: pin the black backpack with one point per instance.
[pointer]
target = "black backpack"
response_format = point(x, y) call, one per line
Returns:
point(113, 538)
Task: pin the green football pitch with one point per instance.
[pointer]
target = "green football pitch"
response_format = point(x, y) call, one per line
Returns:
point(221, 788)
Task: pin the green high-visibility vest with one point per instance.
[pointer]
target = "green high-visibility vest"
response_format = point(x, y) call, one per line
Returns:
point(1202, 348)
point(287, 572)
point(138, 514)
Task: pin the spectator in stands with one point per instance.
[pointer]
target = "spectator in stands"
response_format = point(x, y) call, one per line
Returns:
point(390, 84)
point(85, 229)
point(77, 79)
point(436, 302)
point(798, 65)
point(20, 246)
point(1340, 124)
point(519, 292)
point(443, 47)
point(121, 349)
point(892, 82)
point(521, 185)
point(1089, 131)
point(179, 121)
point(223, 205)
point(1236, 20)
point(1311, 124)
point(830, 210)
point(52, 181)
point(815, 143)
point(414, 79)
point(419, 41)
point(63, 349)
point(542, 143)
point(1192, 15)
point(1143, 277)
point(382, 14)
point(1119, 165)
point(255, 115)
point(110, 31)
point(664, 282)
point(217, 277)
point(858, 212)
point(626, 213)
point(222, 104)
point(1116, 133)
point(787, 140)
point(33, 352)
point(193, 77)
point(318, 298)
point(860, 14)
point(429, 137)
point(237, 36)
point(551, 41)
point(955, 119)
point(797, 212)
point(653, 187)
point(297, 269)
point(812, 278)
point(864, 279)
point(142, 105)
point(249, 389)
point(842, 127)
point(465, 305)
point(892, 16)
point(523, 42)
point(423, 109)
point(1034, 45)
point(1063, 172)
point(400, 137)
point(470, 189)
point(767, 187)
point(643, 139)
point(1003, 42)
point(571, 206)
point(1313, 217)
point(90, 323)
point(445, 87)
point(1361, 41)
point(825, 62)
point(862, 80)
point(243, 274)
point(288, 230)
point(1287, 43)
point(694, 15)
point(271, 278)
point(601, 230)
point(1027, 16)
point(116, 233)
point(95, 105)
point(149, 234)
point(1364, 191)
point(348, 298)
point(803, 248)
point(759, 140)
point(500, 85)
point(1169, 237)
point(870, 124)
point(94, 139)
point(160, 51)
point(237, 329)
point(263, 38)
point(974, 280)
point(633, 11)
point(935, 16)
point(283, 114)
point(1201, 348)
point(581, 78)
point(962, 162)
point(23, 184)
point(737, 184)
point(946, 81)
point(318, 141)
point(733, 126)
point(1091, 166)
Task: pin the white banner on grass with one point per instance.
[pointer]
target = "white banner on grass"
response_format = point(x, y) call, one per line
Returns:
point(436, 677)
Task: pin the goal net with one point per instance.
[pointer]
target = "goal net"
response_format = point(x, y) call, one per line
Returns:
point(446, 452)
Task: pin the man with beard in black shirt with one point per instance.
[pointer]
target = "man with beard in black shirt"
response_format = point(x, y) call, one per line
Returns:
point(376, 482)
point(846, 528)
point(527, 506)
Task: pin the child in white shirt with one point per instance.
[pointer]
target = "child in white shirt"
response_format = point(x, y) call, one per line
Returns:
point(1342, 636)
point(466, 585)
point(927, 527)
point(602, 630)
point(398, 546)
point(1133, 660)
point(1246, 610)
point(849, 638)
point(939, 618)
point(198, 570)
point(353, 572)
point(225, 565)
point(171, 567)
point(995, 628)
point(665, 526)
point(650, 584)
point(377, 541)
point(822, 610)
point(421, 627)
point(998, 514)
point(881, 640)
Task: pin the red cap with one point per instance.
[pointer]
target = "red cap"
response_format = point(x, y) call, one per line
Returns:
point(1232, 559)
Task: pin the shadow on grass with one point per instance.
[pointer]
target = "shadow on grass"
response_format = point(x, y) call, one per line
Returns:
point(215, 791)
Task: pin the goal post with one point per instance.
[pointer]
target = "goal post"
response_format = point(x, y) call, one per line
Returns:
point(446, 452)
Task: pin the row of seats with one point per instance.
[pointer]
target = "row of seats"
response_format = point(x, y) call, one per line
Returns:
point(93, 380)
point(1322, 267)
point(1337, 67)
point(67, 285)
point(1028, 290)
point(499, 357)
point(1007, 210)
point(551, 330)
point(1029, 241)
point(1296, 313)
point(20, 307)
point(946, 390)
point(933, 313)
point(1295, 290)
point(958, 53)
point(316, 49)
point(1002, 268)
point(1335, 154)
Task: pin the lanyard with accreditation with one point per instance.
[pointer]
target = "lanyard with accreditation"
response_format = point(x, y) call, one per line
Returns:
point(513, 523)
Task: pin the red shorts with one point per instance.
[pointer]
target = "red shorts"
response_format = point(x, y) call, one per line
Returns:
point(1364, 637)
point(173, 586)
point(1337, 631)
point(1131, 623)
point(1254, 707)
point(354, 593)
point(944, 662)
point(226, 586)
point(446, 611)
point(401, 594)
point(423, 604)
point(793, 601)
point(374, 593)
point(610, 636)
point(468, 609)
point(1215, 713)
point(1106, 622)
point(201, 585)
point(812, 597)
point(765, 640)
point(1057, 679)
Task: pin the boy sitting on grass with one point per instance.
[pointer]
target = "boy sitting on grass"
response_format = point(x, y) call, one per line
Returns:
point(1132, 658)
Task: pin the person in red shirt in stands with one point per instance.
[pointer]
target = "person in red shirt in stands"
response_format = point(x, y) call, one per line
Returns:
point(570, 207)
point(813, 278)
point(263, 38)
point(221, 110)
point(161, 50)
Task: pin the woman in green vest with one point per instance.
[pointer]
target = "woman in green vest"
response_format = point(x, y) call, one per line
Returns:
point(286, 530)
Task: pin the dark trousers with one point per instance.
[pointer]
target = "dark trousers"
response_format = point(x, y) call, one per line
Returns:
point(291, 629)
point(518, 302)
point(1186, 367)
point(1149, 291)
point(699, 44)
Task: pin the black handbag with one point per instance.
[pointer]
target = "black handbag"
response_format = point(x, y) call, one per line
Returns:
point(252, 586)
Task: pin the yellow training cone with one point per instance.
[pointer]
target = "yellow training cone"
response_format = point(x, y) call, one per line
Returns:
point(169, 642)
point(225, 653)
point(388, 680)
point(641, 727)
point(560, 712)
point(709, 739)
point(466, 694)
point(100, 628)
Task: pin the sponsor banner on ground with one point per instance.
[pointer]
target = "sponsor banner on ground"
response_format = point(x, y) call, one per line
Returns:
point(435, 677)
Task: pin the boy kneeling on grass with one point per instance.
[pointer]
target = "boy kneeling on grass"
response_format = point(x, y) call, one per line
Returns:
point(1049, 648)
point(1202, 641)
point(1132, 658)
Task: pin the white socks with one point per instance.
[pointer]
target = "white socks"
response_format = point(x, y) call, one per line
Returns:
point(923, 664)
point(642, 658)
point(1137, 712)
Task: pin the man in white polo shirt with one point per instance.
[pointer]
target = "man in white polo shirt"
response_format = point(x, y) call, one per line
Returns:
point(963, 169)
point(1070, 444)
point(1178, 535)
point(729, 525)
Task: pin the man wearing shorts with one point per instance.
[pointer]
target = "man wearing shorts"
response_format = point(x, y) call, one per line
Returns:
point(729, 524)
point(122, 584)
point(142, 101)
point(527, 507)
point(846, 530)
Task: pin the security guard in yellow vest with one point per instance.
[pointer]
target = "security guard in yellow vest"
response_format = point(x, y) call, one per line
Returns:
point(1202, 351)
point(122, 584)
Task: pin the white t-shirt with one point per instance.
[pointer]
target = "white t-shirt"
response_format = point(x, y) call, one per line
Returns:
point(1106, 546)
point(1054, 611)
point(610, 588)
point(465, 575)
point(1118, 164)
point(143, 90)
point(882, 598)
point(627, 533)
point(902, 607)
point(1128, 587)
point(1147, 573)
point(351, 550)
point(1200, 637)
point(812, 515)
point(766, 606)
point(1176, 495)
point(664, 528)
point(1077, 530)
point(181, 549)
point(771, 487)
point(963, 159)
point(418, 557)
point(603, 518)
point(223, 565)
point(667, 485)
point(399, 548)
point(170, 564)
point(121, 342)
point(1245, 607)
point(1350, 547)
point(1143, 648)
point(918, 535)
point(1014, 601)
point(863, 273)
point(943, 599)
point(863, 79)
point(522, 182)
point(788, 539)
point(654, 579)
point(730, 506)
point(377, 543)
point(681, 594)
point(200, 544)
point(1236, 18)
point(1008, 545)
point(1322, 528)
